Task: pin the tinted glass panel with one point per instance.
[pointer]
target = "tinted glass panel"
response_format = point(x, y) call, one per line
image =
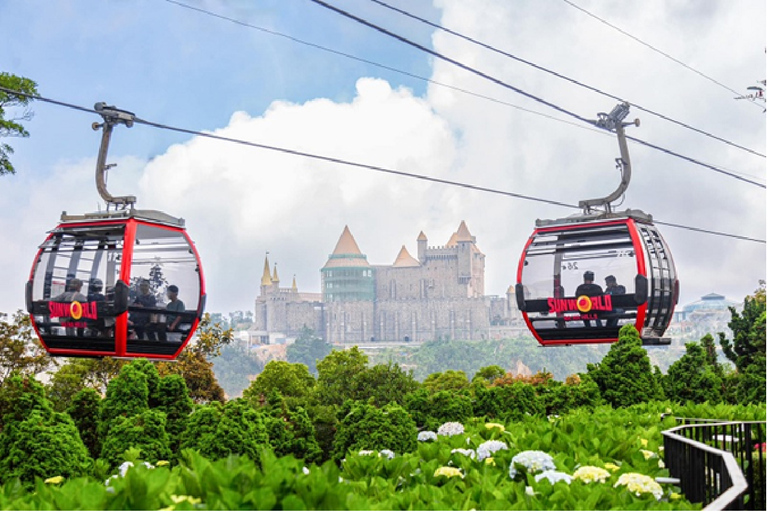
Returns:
point(165, 291)
point(73, 287)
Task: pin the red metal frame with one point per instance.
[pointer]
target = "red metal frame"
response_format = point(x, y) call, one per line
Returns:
point(641, 270)
point(121, 321)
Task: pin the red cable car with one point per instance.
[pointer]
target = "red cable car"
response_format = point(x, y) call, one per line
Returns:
point(558, 288)
point(124, 283)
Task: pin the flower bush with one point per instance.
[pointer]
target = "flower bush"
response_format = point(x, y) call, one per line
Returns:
point(451, 428)
point(487, 448)
point(640, 484)
point(589, 474)
point(532, 461)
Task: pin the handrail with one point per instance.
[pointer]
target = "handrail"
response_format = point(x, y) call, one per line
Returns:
point(688, 459)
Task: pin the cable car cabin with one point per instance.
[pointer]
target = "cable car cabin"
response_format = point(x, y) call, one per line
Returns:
point(562, 308)
point(123, 284)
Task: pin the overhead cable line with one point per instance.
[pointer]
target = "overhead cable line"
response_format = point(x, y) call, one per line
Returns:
point(356, 164)
point(378, 65)
point(561, 76)
point(409, 74)
point(516, 89)
point(707, 77)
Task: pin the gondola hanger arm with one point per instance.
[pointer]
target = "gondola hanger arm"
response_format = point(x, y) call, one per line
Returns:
point(112, 116)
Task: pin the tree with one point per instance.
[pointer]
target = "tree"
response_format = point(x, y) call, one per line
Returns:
point(488, 374)
point(747, 349)
point(195, 362)
point(449, 380)
point(20, 350)
point(337, 375)
point(175, 402)
point(127, 396)
point(233, 368)
point(625, 376)
point(291, 380)
point(78, 374)
point(692, 377)
point(11, 126)
point(308, 349)
point(385, 383)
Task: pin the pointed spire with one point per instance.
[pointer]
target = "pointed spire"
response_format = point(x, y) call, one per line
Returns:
point(346, 243)
point(275, 279)
point(463, 234)
point(452, 241)
point(422, 237)
point(266, 279)
point(404, 259)
point(293, 286)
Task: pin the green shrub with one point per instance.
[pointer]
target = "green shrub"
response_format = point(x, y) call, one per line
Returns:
point(44, 444)
point(217, 431)
point(145, 432)
point(510, 402)
point(691, 378)
point(175, 402)
point(625, 376)
point(367, 427)
point(127, 396)
point(84, 411)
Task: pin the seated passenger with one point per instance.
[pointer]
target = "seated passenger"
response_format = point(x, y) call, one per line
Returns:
point(172, 321)
point(612, 288)
point(72, 293)
point(143, 323)
point(590, 289)
point(98, 326)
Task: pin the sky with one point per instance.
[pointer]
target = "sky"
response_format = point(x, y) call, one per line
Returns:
point(174, 65)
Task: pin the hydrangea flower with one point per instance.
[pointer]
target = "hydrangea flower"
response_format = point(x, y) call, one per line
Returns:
point(529, 490)
point(589, 474)
point(452, 428)
point(554, 476)
point(305, 470)
point(533, 460)
point(647, 454)
point(644, 443)
point(498, 426)
point(54, 480)
point(610, 465)
point(467, 452)
point(162, 463)
point(365, 452)
point(387, 453)
point(488, 448)
point(448, 472)
point(490, 462)
point(427, 435)
point(661, 464)
point(640, 484)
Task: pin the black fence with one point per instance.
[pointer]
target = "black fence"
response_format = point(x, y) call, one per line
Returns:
point(719, 464)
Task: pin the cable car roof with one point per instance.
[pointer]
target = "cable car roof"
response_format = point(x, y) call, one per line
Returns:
point(637, 215)
point(147, 215)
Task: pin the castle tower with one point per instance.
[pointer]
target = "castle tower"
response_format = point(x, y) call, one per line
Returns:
point(404, 259)
point(421, 243)
point(465, 241)
point(266, 279)
point(347, 275)
point(275, 278)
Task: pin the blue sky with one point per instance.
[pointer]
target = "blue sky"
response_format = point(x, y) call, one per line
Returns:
point(173, 65)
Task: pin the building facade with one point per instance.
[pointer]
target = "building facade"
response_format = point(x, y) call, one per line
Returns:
point(439, 294)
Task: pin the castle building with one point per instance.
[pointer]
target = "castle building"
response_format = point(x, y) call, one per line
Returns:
point(440, 293)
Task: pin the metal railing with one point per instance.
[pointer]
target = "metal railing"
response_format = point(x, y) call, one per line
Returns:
point(719, 464)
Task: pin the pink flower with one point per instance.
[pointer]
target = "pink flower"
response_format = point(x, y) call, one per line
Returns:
point(760, 446)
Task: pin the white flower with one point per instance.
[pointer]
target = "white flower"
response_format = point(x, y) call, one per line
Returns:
point(387, 453)
point(529, 490)
point(589, 474)
point(123, 469)
point(427, 435)
point(464, 451)
point(452, 428)
point(533, 460)
point(305, 470)
point(365, 452)
point(448, 472)
point(554, 476)
point(648, 454)
point(640, 484)
point(488, 448)
point(661, 464)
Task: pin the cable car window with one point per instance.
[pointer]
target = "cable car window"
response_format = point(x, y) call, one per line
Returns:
point(73, 286)
point(164, 291)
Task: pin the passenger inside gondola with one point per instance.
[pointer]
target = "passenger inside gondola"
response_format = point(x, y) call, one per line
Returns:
point(72, 293)
point(590, 289)
point(613, 288)
point(172, 321)
point(144, 324)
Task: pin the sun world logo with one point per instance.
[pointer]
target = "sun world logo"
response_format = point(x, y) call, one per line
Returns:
point(75, 310)
point(582, 304)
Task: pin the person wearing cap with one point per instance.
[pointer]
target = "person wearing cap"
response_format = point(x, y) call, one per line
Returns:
point(590, 289)
point(143, 321)
point(94, 290)
point(172, 321)
point(613, 288)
